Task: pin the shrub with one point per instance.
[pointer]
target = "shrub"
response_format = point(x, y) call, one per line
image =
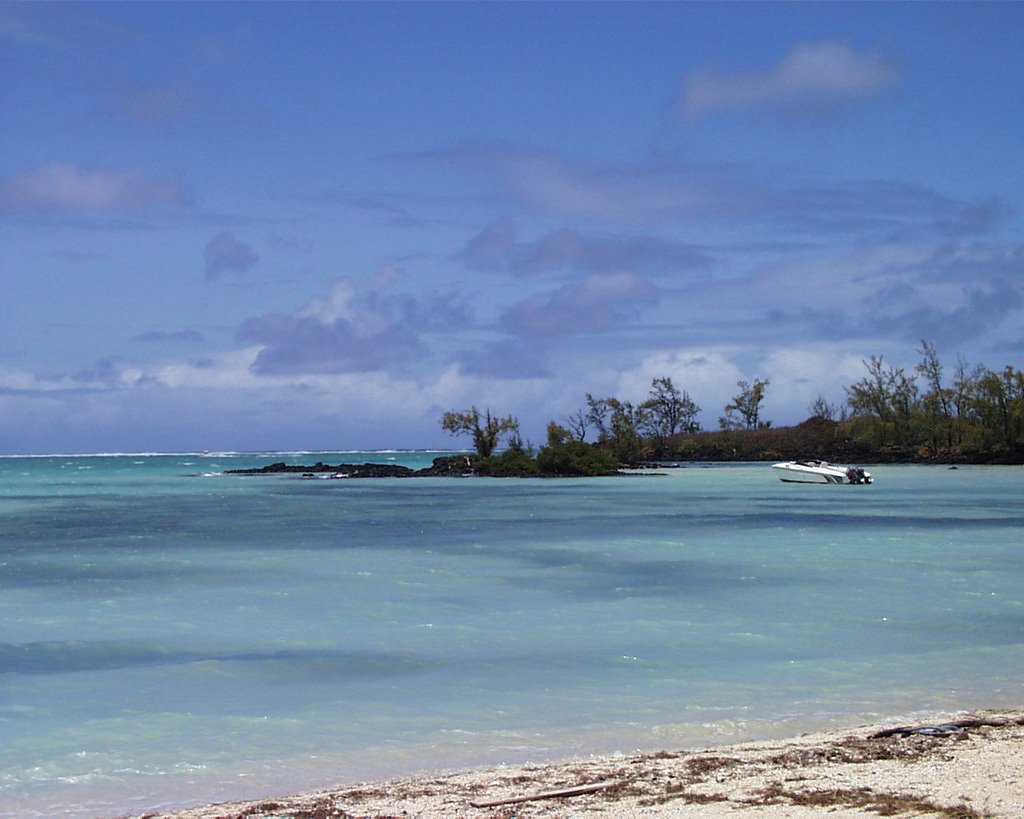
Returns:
point(575, 459)
point(513, 463)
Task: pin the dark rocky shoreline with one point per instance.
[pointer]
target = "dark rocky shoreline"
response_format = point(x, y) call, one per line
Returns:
point(447, 466)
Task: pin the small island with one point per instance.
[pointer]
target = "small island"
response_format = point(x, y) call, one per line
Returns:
point(975, 418)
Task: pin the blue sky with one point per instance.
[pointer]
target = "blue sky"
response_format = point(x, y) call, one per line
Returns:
point(319, 226)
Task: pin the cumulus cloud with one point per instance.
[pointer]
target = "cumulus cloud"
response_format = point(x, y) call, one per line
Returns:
point(66, 188)
point(708, 374)
point(296, 345)
point(813, 76)
point(349, 329)
point(598, 303)
point(226, 256)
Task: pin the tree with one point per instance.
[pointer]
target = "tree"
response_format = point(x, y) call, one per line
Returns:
point(597, 414)
point(870, 395)
point(964, 389)
point(625, 437)
point(747, 404)
point(824, 409)
point(999, 404)
point(616, 425)
point(578, 424)
point(887, 397)
point(558, 435)
point(668, 410)
point(906, 402)
point(936, 402)
point(486, 436)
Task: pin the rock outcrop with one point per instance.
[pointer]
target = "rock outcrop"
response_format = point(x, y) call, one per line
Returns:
point(446, 466)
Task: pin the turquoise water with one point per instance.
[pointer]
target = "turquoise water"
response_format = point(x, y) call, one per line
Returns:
point(170, 635)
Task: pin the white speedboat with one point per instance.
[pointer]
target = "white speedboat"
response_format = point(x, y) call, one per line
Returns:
point(820, 472)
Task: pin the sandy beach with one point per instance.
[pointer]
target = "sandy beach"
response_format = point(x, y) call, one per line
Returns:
point(968, 765)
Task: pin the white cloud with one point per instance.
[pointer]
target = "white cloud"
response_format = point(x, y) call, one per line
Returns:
point(797, 376)
point(894, 293)
point(813, 76)
point(708, 375)
point(653, 192)
point(336, 305)
point(597, 303)
point(349, 330)
point(65, 187)
point(630, 193)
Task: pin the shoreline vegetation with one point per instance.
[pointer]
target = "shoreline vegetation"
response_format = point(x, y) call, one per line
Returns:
point(889, 416)
point(965, 767)
point(976, 417)
point(816, 438)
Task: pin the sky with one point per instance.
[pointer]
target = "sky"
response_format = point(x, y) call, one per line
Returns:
point(319, 226)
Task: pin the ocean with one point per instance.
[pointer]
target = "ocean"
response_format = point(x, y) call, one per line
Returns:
point(171, 635)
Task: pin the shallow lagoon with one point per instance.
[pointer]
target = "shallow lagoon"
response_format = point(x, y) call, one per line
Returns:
point(171, 635)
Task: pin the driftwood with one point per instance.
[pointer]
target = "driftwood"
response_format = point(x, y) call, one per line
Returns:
point(944, 728)
point(579, 790)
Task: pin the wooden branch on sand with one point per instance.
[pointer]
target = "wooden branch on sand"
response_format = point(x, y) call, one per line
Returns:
point(579, 790)
point(944, 728)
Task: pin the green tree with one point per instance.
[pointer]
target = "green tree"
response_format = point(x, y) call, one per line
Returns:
point(597, 416)
point(887, 398)
point(936, 402)
point(999, 405)
point(962, 394)
point(578, 424)
point(906, 402)
point(824, 409)
point(870, 396)
point(616, 425)
point(668, 411)
point(558, 435)
point(486, 431)
point(625, 435)
point(748, 405)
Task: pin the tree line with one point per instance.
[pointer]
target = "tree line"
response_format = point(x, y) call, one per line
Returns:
point(975, 413)
point(625, 432)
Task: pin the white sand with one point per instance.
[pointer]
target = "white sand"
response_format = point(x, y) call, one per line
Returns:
point(976, 770)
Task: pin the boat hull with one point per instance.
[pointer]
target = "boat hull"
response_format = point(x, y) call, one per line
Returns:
point(820, 472)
